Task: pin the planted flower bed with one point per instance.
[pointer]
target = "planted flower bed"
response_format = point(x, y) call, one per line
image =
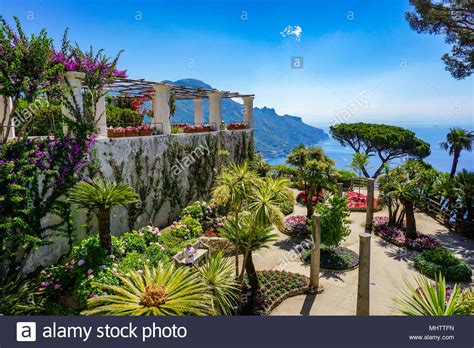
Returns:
point(441, 260)
point(358, 201)
point(275, 286)
point(396, 235)
point(296, 226)
point(190, 128)
point(236, 126)
point(334, 259)
point(119, 132)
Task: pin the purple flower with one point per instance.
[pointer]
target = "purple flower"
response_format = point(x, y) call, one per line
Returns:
point(80, 262)
point(57, 286)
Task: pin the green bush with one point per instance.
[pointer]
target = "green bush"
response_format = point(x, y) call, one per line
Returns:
point(133, 242)
point(199, 210)
point(287, 208)
point(121, 117)
point(345, 177)
point(187, 228)
point(334, 220)
point(441, 260)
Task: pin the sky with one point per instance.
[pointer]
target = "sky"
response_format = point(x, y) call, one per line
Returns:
point(357, 60)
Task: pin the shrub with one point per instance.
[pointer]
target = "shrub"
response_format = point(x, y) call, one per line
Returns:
point(296, 226)
point(334, 258)
point(287, 208)
point(334, 220)
point(187, 228)
point(345, 177)
point(441, 260)
point(199, 210)
point(133, 241)
point(121, 117)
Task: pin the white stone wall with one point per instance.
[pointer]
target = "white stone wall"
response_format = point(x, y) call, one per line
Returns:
point(150, 164)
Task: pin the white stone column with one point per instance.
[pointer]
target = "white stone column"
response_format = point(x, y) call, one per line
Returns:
point(6, 104)
point(198, 114)
point(215, 112)
point(101, 117)
point(74, 78)
point(248, 110)
point(161, 108)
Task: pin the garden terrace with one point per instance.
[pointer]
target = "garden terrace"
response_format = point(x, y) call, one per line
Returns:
point(159, 95)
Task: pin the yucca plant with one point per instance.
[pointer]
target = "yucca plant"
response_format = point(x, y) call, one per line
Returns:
point(428, 299)
point(101, 196)
point(164, 290)
point(19, 297)
point(218, 274)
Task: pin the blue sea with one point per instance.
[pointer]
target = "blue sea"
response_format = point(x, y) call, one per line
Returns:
point(433, 135)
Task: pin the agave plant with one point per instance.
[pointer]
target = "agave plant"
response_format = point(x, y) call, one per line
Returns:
point(101, 196)
point(218, 274)
point(164, 290)
point(428, 299)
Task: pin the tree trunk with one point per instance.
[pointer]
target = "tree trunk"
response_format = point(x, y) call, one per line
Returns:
point(105, 238)
point(309, 209)
point(410, 229)
point(455, 163)
point(251, 274)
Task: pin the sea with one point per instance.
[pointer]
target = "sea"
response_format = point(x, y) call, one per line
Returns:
point(432, 134)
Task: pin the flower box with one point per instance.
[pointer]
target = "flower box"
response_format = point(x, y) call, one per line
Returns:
point(116, 132)
point(132, 132)
point(146, 132)
point(236, 126)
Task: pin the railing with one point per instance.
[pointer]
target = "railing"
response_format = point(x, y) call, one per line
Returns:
point(444, 215)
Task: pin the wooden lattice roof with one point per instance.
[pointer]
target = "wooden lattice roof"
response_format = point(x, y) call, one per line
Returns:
point(139, 88)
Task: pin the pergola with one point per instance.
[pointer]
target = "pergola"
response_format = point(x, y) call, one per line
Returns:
point(159, 94)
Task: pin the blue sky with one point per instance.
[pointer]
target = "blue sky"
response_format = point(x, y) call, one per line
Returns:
point(358, 56)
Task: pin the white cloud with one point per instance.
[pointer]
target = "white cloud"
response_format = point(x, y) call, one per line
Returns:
point(292, 30)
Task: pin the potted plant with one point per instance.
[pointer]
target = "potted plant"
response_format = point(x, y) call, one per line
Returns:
point(132, 132)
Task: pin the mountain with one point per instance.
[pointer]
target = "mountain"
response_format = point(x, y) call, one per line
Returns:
point(275, 135)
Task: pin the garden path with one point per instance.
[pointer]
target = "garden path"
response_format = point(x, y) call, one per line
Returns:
point(391, 266)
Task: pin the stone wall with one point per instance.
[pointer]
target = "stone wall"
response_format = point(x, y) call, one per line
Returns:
point(168, 173)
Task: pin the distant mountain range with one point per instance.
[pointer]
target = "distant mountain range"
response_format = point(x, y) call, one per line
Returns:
point(275, 135)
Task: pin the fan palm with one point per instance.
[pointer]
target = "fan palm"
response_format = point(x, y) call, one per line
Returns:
point(457, 139)
point(101, 196)
point(217, 272)
point(427, 299)
point(164, 290)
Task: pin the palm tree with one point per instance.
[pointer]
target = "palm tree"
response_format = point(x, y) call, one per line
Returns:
point(314, 169)
point(101, 196)
point(234, 185)
point(406, 192)
point(217, 273)
point(464, 181)
point(267, 201)
point(250, 236)
point(164, 290)
point(428, 300)
point(457, 139)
